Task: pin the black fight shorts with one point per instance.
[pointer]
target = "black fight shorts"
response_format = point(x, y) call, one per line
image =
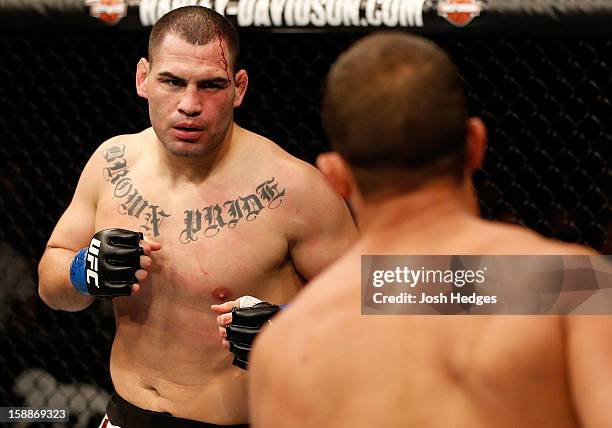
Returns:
point(121, 414)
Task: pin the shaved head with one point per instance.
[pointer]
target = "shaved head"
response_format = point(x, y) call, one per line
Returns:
point(196, 25)
point(394, 108)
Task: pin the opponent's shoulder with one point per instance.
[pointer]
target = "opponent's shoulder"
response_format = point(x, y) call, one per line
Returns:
point(515, 239)
point(302, 333)
point(340, 284)
point(333, 298)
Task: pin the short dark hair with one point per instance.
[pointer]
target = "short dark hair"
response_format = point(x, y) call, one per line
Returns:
point(394, 107)
point(196, 25)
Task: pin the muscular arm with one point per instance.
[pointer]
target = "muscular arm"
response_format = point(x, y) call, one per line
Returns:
point(72, 232)
point(590, 368)
point(323, 227)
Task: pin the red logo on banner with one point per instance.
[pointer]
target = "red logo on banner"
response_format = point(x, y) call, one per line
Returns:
point(459, 12)
point(109, 11)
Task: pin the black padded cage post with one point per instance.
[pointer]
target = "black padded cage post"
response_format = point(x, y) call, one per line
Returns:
point(537, 72)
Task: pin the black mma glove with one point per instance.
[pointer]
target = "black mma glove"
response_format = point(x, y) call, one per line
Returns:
point(107, 267)
point(245, 326)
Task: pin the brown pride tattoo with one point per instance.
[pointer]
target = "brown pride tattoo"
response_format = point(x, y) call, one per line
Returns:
point(132, 202)
point(210, 220)
point(207, 221)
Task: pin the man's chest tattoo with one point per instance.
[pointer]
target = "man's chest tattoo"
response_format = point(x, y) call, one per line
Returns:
point(205, 221)
point(131, 202)
point(210, 220)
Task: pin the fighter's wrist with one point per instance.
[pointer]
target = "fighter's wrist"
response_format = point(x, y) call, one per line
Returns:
point(78, 272)
point(251, 302)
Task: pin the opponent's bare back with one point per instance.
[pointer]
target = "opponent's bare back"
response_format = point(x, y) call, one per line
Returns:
point(390, 371)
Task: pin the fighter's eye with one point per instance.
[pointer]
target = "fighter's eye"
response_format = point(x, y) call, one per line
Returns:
point(172, 82)
point(212, 85)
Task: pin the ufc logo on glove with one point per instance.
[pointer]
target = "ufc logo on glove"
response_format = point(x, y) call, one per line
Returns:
point(108, 266)
point(92, 260)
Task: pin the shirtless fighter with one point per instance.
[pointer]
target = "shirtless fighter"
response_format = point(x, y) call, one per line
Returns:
point(395, 112)
point(224, 213)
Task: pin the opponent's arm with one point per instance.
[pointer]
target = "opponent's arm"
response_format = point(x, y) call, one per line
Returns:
point(590, 368)
point(323, 229)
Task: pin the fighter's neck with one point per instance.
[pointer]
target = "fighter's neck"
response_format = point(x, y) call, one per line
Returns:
point(179, 169)
point(417, 213)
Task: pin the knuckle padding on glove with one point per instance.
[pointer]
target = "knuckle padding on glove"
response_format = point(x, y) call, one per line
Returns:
point(254, 316)
point(119, 259)
point(244, 328)
point(124, 237)
point(123, 255)
point(241, 352)
point(240, 334)
point(243, 364)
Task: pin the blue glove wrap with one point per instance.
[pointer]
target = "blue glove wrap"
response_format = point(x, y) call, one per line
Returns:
point(78, 272)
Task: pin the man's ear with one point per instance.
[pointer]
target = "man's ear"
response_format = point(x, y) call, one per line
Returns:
point(476, 142)
point(242, 81)
point(142, 74)
point(337, 173)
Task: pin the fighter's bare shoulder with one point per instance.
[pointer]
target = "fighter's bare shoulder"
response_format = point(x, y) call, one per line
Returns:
point(304, 181)
point(126, 146)
point(115, 149)
point(130, 144)
point(514, 239)
point(266, 150)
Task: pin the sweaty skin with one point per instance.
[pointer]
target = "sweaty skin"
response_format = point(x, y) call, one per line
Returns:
point(234, 215)
point(428, 371)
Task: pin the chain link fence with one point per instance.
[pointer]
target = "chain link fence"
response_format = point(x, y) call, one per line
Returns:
point(547, 101)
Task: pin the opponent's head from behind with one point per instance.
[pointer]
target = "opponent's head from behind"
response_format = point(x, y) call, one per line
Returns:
point(395, 112)
point(190, 79)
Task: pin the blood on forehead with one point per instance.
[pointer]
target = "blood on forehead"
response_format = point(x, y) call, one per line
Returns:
point(223, 57)
point(175, 49)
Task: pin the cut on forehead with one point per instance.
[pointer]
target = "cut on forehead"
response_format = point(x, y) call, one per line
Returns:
point(176, 53)
point(198, 26)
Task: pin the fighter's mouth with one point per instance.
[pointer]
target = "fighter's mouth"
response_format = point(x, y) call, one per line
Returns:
point(185, 128)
